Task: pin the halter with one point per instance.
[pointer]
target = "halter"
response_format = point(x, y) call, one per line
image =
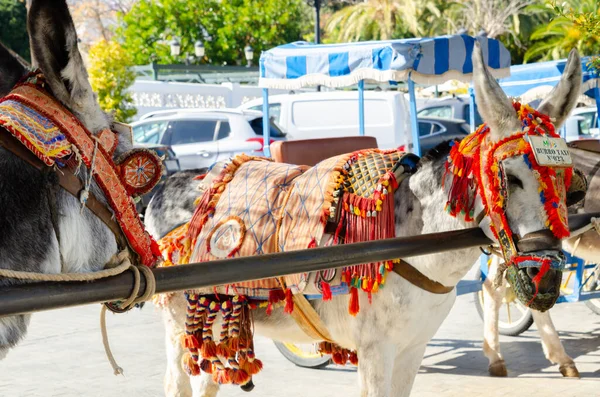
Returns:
point(44, 133)
point(476, 168)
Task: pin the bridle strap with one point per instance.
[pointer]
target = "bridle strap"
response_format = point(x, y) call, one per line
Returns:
point(418, 279)
point(67, 180)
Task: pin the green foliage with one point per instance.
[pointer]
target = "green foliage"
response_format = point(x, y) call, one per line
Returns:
point(570, 28)
point(586, 20)
point(110, 76)
point(13, 32)
point(224, 27)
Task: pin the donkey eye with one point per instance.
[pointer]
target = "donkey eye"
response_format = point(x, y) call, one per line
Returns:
point(514, 181)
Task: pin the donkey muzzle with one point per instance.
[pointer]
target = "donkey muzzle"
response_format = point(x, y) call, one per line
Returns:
point(537, 241)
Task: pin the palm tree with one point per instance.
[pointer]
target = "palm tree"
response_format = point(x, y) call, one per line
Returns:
point(379, 19)
point(555, 39)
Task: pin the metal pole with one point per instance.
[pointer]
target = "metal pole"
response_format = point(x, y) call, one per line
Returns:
point(472, 105)
point(27, 298)
point(414, 122)
point(266, 123)
point(317, 21)
point(597, 97)
point(361, 108)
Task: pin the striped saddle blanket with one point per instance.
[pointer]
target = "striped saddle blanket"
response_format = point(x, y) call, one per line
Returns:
point(253, 206)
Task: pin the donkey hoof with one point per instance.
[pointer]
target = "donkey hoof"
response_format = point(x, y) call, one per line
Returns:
point(498, 369)
point(569, 370)
point(248, 386)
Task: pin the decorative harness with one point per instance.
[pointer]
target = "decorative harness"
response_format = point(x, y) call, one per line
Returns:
point(56, 139)
point(476, 169)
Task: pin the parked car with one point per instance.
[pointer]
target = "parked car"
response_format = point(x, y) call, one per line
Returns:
point(582, 124)
point(171, 166)
point(455, 107)
point(435, 130)
point(201, 137)
point(335, 114)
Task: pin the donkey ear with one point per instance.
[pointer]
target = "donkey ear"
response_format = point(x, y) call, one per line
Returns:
point(563, 98)
point(11, 70)
point(54, 50)
point(493, 105)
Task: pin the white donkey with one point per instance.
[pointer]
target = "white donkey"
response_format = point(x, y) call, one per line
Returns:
point(405, 316)
point(585, 246)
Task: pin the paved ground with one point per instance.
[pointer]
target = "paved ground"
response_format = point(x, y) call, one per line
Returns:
point(63, 356)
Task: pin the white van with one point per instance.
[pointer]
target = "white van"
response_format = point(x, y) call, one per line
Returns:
point(335, 114)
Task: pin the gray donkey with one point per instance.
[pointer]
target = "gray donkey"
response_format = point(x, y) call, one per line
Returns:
point(28, 197)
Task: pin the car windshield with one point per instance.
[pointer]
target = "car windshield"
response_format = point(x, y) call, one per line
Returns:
point(587, 123)
point(149, 132)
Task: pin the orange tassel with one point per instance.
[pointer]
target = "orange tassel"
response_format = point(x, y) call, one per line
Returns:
point(238, 376)
point(289, 301)
point(224, 351)
point(251, 367)
point(189, 365)
point(189, 342)
point(206, 366)
point(327, 296)
point(234, 343)
point(221, 377)
point(354, 307)
point(209, 349)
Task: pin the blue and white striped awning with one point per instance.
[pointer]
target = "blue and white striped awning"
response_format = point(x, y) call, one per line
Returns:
point(533, 81)
point(427, 61)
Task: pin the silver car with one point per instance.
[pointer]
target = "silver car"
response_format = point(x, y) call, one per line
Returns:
point(201, 137)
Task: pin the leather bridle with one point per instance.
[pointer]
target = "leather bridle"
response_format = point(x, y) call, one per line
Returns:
point(68, 181)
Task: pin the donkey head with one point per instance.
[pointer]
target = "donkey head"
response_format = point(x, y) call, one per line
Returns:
point(77, 241)
point(531, 201)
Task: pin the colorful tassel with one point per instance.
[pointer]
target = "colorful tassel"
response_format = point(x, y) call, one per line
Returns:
point(354, 307)
point(326, 291)
point(289, 301)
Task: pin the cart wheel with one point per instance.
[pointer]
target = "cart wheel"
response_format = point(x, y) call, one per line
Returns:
point(514, 317)
point(592, 283)
point(304, 355)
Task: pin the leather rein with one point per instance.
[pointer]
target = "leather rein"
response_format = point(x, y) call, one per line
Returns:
point(67, 180)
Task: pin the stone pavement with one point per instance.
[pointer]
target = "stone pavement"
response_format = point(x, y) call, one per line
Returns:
point(63, 357)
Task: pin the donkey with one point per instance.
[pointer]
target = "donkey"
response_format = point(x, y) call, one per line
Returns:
point(405, 316)
point(29, 199)
point(584, 246)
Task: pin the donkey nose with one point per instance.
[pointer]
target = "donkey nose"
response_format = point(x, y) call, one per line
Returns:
point(537, 241)
point(547, 283)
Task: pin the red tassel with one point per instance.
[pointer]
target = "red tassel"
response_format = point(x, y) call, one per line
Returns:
point(224, 351)
point(289, 301)
point(337, 358)
point(269, 309)
point(353, 358)
point(327, 296)
point(313, 243)
point(189, 365)
point(354, 307)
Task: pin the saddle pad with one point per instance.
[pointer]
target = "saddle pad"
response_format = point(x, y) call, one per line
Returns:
point(34, 130)
point(266, 207)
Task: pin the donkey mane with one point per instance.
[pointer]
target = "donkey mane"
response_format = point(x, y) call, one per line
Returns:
point(439, 152)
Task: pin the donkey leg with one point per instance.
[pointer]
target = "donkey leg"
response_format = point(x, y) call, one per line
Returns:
point(553, 348)
point(406, 366)
point(492, 299)
point(204, 386)
point(375, 365)
point(176, 381)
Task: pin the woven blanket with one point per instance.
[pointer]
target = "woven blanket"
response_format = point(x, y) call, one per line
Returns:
point(36, 131)
point(255, 206)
